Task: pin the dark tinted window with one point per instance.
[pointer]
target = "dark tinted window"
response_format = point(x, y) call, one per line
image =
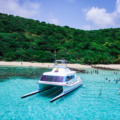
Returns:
point(70, 77)
point(52, 78)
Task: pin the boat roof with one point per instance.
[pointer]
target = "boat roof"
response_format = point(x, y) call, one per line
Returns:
point(60, 71)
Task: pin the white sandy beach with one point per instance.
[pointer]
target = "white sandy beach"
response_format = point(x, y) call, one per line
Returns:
point(113, 66)
point(44, 65)
point(50, 65)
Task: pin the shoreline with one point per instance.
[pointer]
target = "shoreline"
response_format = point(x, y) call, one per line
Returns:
point(36, 64)
point(50, 65)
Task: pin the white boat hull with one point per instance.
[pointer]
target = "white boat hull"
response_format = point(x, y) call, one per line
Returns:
point(66, 90)
point(70, 88)
point(67, 86)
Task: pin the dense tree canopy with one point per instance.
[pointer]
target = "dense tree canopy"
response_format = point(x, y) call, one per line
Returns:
point(30, 40)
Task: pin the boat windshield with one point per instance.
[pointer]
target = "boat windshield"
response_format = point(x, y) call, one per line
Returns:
point(52, 78)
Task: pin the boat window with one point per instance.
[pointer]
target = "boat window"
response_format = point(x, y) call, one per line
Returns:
point(52, 78)
point(70, 77)
point(73, 76)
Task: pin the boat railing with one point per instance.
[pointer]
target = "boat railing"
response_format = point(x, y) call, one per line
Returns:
point(60, 63)
point(78, 78)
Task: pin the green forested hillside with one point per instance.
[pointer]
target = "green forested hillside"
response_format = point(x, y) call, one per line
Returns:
point(30, 40)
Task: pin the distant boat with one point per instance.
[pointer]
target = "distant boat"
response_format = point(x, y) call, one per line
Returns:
point(59, 76)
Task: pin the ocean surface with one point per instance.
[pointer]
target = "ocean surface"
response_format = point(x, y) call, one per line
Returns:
point(97, 99)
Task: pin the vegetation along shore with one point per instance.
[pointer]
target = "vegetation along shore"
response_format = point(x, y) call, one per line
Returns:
point(31, 40)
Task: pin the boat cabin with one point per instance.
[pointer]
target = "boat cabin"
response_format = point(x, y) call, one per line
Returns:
point(57, 78)
point(60, 73)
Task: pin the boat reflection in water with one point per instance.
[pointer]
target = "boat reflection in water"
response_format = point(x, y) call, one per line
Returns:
point(62, 76)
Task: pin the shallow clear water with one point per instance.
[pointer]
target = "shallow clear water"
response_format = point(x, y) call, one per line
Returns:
point(98, 99)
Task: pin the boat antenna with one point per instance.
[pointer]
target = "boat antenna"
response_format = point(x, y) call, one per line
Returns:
point(55, 54)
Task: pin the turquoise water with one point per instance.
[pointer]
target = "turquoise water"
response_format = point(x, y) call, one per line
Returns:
point(98, 99)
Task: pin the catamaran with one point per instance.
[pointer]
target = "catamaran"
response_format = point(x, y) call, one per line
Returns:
point(60, 76)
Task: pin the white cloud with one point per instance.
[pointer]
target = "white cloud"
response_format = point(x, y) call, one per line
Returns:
point(26, 9)
point(102, 19)
point(86, 27)
point(118, 6)
point(52, 19)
